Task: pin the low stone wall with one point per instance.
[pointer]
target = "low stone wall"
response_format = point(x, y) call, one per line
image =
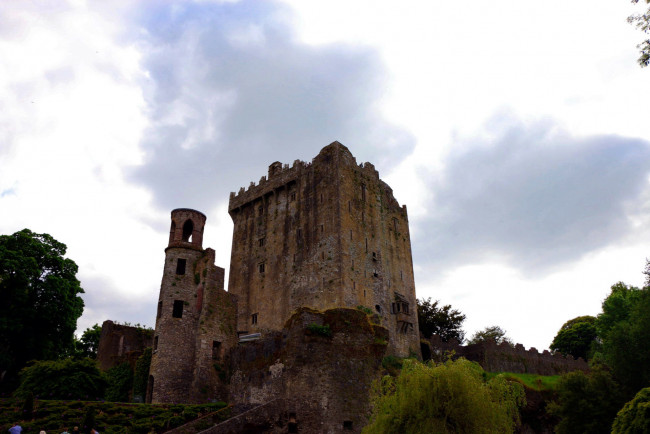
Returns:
point(503, 357)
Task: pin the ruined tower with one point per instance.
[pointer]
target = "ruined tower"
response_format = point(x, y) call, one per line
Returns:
point(324, 234)
point(191, 333)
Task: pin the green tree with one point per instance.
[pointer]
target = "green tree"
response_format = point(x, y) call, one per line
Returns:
point(625, 347)
point(88, 344)
point(616, 307)
point(40, 300)
point(447, 397)
point(493, 333)
point(586, 403)
point(575, 337)
point(141, 374)
point(441, 320)
point(62, 379)
point(642, 22)
point(634, 417)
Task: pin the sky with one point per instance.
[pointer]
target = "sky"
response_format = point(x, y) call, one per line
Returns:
point(515, 132)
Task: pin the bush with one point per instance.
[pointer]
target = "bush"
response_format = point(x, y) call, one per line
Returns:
point(323, 330)
point(446, 397)
point(62, 379)
point(120, 382)
point(634, 418)
point(141, 375)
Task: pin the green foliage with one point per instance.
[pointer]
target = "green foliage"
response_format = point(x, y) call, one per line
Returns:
point(586, 403)
point(444, 398)
point(634, 417)
point(88, 345)
point(323, 330)
point(443, 321)
point(28, 405)
point(141, 374)
point(120, 383)
point(616, 307)
point(625, 347)
point(89, 420)
point(491, 333)
point(642, 22)
point(40, 300)
point(62, 379)
point(365, 310)
point(54, 416)
point(575, 337)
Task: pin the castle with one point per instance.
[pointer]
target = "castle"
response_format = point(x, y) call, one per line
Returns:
point(320, 268)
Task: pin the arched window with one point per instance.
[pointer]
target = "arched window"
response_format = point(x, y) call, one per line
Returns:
point(188, 228)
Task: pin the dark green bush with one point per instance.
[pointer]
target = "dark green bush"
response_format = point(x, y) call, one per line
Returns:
point(323, 330)
point(120, 383)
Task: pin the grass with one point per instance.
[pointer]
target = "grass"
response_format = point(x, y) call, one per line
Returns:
point(531, 381)
point(110, 417)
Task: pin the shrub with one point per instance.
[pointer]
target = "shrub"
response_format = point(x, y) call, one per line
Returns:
point(634, 417)
point(323, 330)
point(120, 382)
point(62, 379)
point(141, 374)
point(445, 397)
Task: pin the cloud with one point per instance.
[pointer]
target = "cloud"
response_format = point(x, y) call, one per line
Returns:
point(231, 90)
point(531, 195)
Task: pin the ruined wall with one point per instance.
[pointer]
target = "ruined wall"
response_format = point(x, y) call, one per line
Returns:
point(510, 358)
point(323, 234)
point(120, 343)
point(325, 381)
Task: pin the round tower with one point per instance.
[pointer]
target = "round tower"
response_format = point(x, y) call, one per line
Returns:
point(172, 361)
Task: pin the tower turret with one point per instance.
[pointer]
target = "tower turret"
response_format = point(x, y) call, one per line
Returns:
point(173, 358)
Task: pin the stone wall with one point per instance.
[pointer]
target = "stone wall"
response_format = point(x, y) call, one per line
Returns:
point(504, 357)
point(324, 380)
point(121, 343)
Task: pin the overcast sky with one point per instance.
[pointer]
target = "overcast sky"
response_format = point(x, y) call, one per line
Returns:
point(516, 133)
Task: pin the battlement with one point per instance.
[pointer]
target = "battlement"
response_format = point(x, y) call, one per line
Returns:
point(505, 357)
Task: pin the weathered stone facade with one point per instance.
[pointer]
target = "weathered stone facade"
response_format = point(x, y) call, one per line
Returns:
point(320, 244)
point(121, 343)
point(324, 234)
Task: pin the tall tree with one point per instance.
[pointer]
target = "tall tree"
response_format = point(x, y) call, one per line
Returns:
point(40, 300)
point(575, 337)
point(88, 344)
point(441, 320)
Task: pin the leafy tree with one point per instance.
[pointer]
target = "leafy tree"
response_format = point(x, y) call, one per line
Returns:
point(62, 379)
point(575, 337)
point(88, 344)
point(141, 375)
point(445, 397)
point(586, 403)
point(441, 320)
point(616, 307)
point(642, 22)
point(625, 347)
point(493, 333)
point(40, 299)
point(634, 417)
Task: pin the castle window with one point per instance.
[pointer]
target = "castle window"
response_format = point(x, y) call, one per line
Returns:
point(374, 256)
point(349, 206)
point(216, 350)
point(260, 242)
point(322, 228)
point(347, 425)
point(299, 233)
point(366, 245)
point(254, 318)
point(261, 267)
point(350, 234)
point(159, 314)
point(155, 343)
point(363, 217)
point(180, 266)
point(321, 198)
point(293, 425)
point(378, 308)
point(293, 196)
point(395, 224)
point(188, 229)
point(177, 312)
point(375, 274)
point(363, 192)
point(260, 210)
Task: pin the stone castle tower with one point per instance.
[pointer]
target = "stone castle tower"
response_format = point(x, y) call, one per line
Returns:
point(308, 239)
point(324, 234)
